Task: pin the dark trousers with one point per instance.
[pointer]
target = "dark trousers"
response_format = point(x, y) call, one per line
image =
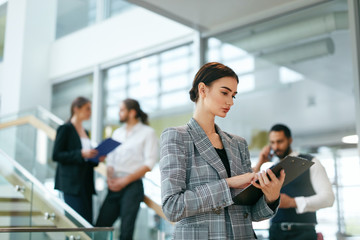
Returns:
point(81, 203)
point(124, 204)
point(276, 233)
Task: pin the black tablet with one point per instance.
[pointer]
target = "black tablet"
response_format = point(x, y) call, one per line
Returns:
point(293, 166)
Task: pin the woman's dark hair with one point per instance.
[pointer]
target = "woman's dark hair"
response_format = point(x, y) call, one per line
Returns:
point(78, 102)
point(207, 74)
point(133, 104)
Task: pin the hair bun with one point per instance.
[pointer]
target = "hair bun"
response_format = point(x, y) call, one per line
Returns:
point(192, 95)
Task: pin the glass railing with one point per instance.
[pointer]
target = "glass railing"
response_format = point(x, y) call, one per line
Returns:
point(39, 112)
point(43, 233)
point(28, 138)
point(25, 202)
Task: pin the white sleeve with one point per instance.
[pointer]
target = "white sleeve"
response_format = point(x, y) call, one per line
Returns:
point(151, 149)
point(110, 158)
point(324, 195)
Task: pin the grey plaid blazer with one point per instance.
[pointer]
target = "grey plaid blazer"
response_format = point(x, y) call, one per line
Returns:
point(193, 187)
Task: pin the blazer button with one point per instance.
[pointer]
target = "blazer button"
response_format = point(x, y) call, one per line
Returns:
point(217, 210)
point(246, 215)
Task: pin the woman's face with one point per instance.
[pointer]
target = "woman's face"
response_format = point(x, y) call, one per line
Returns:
point(219, 96)
point(83, 112)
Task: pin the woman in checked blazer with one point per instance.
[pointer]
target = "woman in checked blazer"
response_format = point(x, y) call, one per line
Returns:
point(203, 168)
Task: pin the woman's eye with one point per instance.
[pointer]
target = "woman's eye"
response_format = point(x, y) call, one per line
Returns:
point(224, 93)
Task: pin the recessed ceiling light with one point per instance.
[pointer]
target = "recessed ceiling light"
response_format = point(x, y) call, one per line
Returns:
point(351, 139)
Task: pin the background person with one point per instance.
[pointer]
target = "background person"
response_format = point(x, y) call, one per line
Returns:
point(301, 198)
point(126, 166)
point(203, 168)
point(74, 174)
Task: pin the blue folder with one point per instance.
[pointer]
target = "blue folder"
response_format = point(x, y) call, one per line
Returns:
point(104, 148)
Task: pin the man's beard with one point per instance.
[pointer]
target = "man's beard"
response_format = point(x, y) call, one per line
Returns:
point(287, 152)
point(124, 120)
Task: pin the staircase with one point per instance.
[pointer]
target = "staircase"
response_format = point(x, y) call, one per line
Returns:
point(29, 206)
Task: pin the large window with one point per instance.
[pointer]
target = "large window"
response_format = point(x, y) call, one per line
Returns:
point(159, 82)
point(2, 29)
point(75, 15)
point(65, 92)
point(115, 7)
point(297, 69)
point(341, 164)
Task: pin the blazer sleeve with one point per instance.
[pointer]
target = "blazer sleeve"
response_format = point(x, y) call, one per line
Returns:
point(91, 163)
point(260, 210)
point(178, 201)
point(61, 152)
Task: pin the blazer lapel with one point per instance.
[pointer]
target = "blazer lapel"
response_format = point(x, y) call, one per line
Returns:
point(76, 136)
point(205, 148)
point(231, 149)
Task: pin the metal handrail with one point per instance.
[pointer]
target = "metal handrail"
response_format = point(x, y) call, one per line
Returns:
point(55, 229)
point(50, 115)
point(51, 134)
point(41, 187)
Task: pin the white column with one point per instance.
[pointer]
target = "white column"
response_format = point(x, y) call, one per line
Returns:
point(199, 50)
point(30, 30)
point(101, 10)
point(354, 26)
point(97, 103)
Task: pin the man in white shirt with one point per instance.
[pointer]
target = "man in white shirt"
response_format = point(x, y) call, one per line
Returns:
point(300, 199)
point(126, 166)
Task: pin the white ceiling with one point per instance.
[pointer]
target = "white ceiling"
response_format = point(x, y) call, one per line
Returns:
point(212, 15)
point(319, 108)
point(308, 100)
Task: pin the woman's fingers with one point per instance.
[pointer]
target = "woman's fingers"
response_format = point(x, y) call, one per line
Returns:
point(255, 178)
point(261, 179)
point(282, 176)
point(270, 187)
point(255, 184)
point(271, 175)
point(265, 179)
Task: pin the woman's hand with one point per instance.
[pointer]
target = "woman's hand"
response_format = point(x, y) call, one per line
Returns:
point(102, 158)
point(89, 153)
point(270, 187)
point(241, 181)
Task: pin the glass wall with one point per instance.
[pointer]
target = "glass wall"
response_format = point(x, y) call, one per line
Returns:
point(159, 82)
point(76, 15)
point(297, 69)
point(115, 7)
point(2, 29)
point(65, 92)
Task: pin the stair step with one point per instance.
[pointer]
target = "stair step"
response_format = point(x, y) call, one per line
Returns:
point(8, 191)
point(21, 221)
point(12, 199)
point(26, 226)
point(21, 213)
